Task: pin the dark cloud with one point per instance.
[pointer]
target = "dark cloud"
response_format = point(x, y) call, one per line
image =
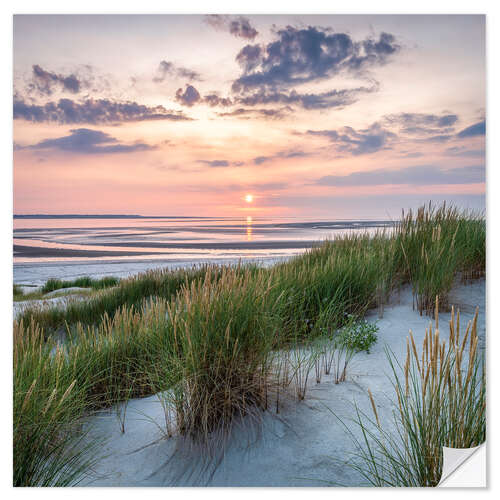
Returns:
point(321, 100)
point(46, 82)
point(249, 57)
point(307, 54)
point(238, 26)
point(221, 163)
point(292, 153)
point(92, 111)
point(259, 160)
point(474, 130)
point(358, 142)
point(214, 100)
point(168, 69)
point(272, 114)
point(418, 175)
point(87, 141)
point(189, 97)
point(422, 131)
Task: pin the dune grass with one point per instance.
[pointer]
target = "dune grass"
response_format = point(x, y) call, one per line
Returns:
point(433, 245)
point(83, 282)
point(441, 401)
point(128, 292)
point(205, 336)
point(223, 332)
point(17, 291)
point(49, 448)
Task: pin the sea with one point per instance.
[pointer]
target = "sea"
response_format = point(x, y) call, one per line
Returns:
point(69, 246)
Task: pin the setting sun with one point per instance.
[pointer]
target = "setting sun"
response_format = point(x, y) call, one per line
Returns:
point(249, 198)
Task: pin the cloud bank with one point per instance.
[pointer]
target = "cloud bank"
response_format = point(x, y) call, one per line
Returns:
point(301, 55)
point(474, 130)
point(92, 111)
point(358, 142)
point(87, 141)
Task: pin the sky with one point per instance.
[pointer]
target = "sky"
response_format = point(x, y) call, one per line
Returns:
point(305, 116)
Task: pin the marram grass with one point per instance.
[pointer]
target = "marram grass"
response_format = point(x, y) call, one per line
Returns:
point(441, 401)
point(433, 246)
point(223, 333)
point(84, 282)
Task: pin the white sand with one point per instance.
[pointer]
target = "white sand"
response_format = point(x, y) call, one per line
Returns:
point(301, 448)
point(59, 298)
point(66, 291)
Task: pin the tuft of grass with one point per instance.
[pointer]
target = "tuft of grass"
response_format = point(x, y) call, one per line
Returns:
point(222, 335)
point(17, 291)
point(433, 245)
point(49, 445)
point(83, 282)
point(441, 401)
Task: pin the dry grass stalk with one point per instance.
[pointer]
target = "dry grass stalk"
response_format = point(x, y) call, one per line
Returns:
point(441, 401)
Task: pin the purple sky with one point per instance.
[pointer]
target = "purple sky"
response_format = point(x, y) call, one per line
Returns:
point(338, 116)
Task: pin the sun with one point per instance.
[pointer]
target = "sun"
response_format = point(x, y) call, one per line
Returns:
point(249, 198)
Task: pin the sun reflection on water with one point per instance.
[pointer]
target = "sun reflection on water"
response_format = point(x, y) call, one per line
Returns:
point(249, 228)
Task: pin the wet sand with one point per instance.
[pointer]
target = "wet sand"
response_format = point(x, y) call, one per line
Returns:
point(41, 252)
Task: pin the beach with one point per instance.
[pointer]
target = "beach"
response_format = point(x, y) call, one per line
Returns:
point(304, 445)
point(214, 372)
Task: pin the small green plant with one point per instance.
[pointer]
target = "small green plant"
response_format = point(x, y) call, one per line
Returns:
point(358, 335)
point(17, 291)
point(336, 350)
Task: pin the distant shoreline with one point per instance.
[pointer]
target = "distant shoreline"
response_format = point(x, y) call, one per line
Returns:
point(104, 216)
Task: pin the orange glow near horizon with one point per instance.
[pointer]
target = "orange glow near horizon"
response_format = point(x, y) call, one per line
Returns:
point(328, 144)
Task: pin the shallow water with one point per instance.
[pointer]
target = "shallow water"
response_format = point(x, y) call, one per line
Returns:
point(52, 247)
point(52, 239)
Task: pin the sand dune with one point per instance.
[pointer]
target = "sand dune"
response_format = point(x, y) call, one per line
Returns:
point(302, 446)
